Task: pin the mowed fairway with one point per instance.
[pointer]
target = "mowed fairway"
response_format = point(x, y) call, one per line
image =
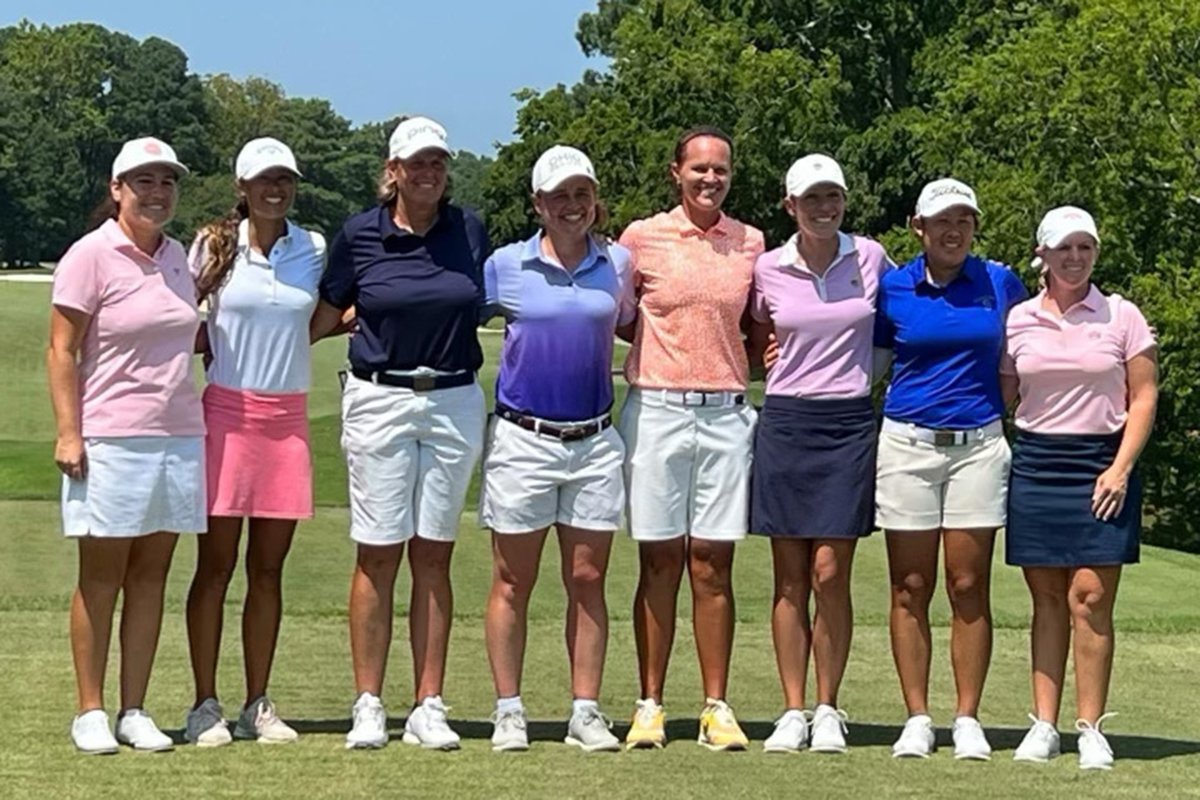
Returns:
point(1157, 736)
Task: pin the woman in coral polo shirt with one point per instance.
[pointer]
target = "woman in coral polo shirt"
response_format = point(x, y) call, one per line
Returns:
point(1083, 368)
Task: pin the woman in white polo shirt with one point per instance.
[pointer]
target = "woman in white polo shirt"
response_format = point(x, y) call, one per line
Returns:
point(130, 432)
point(259, 273)
point(553, 456)
point(1084, 367)
point(813, 490)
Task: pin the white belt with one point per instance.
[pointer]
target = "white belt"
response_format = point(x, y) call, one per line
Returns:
point(696, 397)
point(943, 438)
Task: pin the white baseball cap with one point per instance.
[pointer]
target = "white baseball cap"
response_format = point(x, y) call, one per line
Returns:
point(1061, 222)
point(811, 170)
point(416, 134)
point(260, 155)
point(945, 193)
point(1058, 224)
point(558, 164)
point(144, 152)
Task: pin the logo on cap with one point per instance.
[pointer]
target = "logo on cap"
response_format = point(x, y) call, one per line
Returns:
point(415, 132)
point(560, 160)
point(153, 149)
point(944, 190)
point(269, 149)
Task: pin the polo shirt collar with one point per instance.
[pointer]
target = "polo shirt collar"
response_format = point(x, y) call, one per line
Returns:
point(687, 228)
point(1092, 302)
point(973, 271)
point(532, 251)
point(112, 231)
point(243, 234)
point(790, 257)
point(388, 226)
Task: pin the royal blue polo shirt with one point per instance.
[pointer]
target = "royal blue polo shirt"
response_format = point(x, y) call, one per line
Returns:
point(417, 297)
point(947, 342)
point(558, 344)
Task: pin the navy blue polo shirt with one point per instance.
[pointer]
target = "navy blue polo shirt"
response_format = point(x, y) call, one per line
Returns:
point(417, 297)
point(947, 342)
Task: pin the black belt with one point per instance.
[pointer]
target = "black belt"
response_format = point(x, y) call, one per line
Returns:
point(418, 383)
point(563, 431)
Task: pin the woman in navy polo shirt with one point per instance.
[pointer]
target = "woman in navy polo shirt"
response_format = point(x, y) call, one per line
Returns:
point(412, 415)
point(942, 468)
point(553, 456)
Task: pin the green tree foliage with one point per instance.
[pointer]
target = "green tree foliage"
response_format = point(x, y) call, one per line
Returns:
point(1036, 104)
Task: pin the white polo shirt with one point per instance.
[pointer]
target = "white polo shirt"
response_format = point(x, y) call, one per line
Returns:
point(258, 319)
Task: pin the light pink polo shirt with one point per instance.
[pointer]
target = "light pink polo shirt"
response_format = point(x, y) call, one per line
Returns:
point(1071, 371)
point(135, 368)
point(824, 324)
point(691, 288)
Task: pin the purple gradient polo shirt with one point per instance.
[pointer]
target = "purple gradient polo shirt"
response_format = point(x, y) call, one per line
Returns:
point(824, 324)
point(556, 363)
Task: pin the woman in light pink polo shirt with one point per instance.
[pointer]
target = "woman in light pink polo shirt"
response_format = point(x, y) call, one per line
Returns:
point(1083, 368)
point(130, 432)
point(813, 491)
point(687, 427)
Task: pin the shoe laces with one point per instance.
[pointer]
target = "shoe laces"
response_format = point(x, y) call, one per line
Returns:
point(647, 709)
point(436, 712)
point(1042, 726)
point(836, 714)
point(266, 715)
point(590, 715)
point(721, 712)
point(508, 718)
point(369, 707)
point(1092, 730)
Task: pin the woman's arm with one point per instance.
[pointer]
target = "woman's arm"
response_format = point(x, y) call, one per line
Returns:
point(1009, 385)
point(329, 320)
point(67, 327)
point(1141, 378)
point(761, 354)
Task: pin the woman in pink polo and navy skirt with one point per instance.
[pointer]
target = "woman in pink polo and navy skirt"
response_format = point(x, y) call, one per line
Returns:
point(259, 272)
point(813, 487)
point(1083, 366)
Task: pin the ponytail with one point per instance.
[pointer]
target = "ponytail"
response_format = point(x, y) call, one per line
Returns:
point(220, 249)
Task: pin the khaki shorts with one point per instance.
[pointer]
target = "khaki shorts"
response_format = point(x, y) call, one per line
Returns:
point(921, 486)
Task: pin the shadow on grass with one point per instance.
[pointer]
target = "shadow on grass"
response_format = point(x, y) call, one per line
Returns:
point(861, 734)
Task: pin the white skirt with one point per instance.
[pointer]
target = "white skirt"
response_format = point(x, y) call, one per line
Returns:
point(136, 485)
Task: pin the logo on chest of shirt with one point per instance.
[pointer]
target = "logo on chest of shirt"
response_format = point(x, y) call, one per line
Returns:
point(986, 301)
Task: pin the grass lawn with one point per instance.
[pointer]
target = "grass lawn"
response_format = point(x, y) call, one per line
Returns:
point(1157, 738)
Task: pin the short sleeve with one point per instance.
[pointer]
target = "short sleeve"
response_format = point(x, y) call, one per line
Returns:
point(885, 331)
point(1138, 335)
point(1015, 291)
point(491, 289)
point(481, 244)
point(78, 280)
point(1008, 362)
point(196, 255)
point(760, 309)
point(626, 293)
point(338, 285)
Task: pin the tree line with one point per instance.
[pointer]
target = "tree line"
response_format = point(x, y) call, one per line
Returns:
point(1035, 103)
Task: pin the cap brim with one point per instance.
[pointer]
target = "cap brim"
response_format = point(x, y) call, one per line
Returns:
point(421, 146)
point(939, 209)
point(180, 169)
point(559, 180)
point(798, 191)
point(252, 175)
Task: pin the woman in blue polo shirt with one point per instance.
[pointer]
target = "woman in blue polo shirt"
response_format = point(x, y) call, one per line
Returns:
point(942, 467)
point(412, 415)
point(553, 456)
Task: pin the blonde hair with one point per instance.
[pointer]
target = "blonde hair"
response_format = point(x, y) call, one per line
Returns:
point(219, 240)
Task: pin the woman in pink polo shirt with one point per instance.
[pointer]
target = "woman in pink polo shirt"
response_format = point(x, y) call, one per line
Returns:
point(813, 491)
point(259, 272)
point(687, 427)
point(1083, 368)
point(130, 432)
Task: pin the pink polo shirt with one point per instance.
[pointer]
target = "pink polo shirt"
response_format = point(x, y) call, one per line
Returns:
point(824, 324)
point(135, 367)
point(1071, 370)
point(691, 288)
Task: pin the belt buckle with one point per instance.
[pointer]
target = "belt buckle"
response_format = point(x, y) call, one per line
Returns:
point(572, 433)
point(945, 438)
point(424, 383)
point(692, 398)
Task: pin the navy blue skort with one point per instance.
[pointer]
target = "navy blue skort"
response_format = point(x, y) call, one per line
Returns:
point(814, 469)
point(1050, 519)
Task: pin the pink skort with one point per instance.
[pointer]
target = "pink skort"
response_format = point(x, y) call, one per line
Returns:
point(259, 463)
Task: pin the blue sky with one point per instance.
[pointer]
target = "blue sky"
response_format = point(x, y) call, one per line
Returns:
point(458, 61)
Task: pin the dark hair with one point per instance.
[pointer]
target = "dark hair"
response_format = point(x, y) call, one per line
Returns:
point(103, 211)
point(695, 133)
point(219, 242)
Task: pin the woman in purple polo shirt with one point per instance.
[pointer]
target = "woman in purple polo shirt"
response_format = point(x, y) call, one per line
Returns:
point(412, 416)
point(553, 456)
point(1084, 366)
point(813, 487)
point(942, 469)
